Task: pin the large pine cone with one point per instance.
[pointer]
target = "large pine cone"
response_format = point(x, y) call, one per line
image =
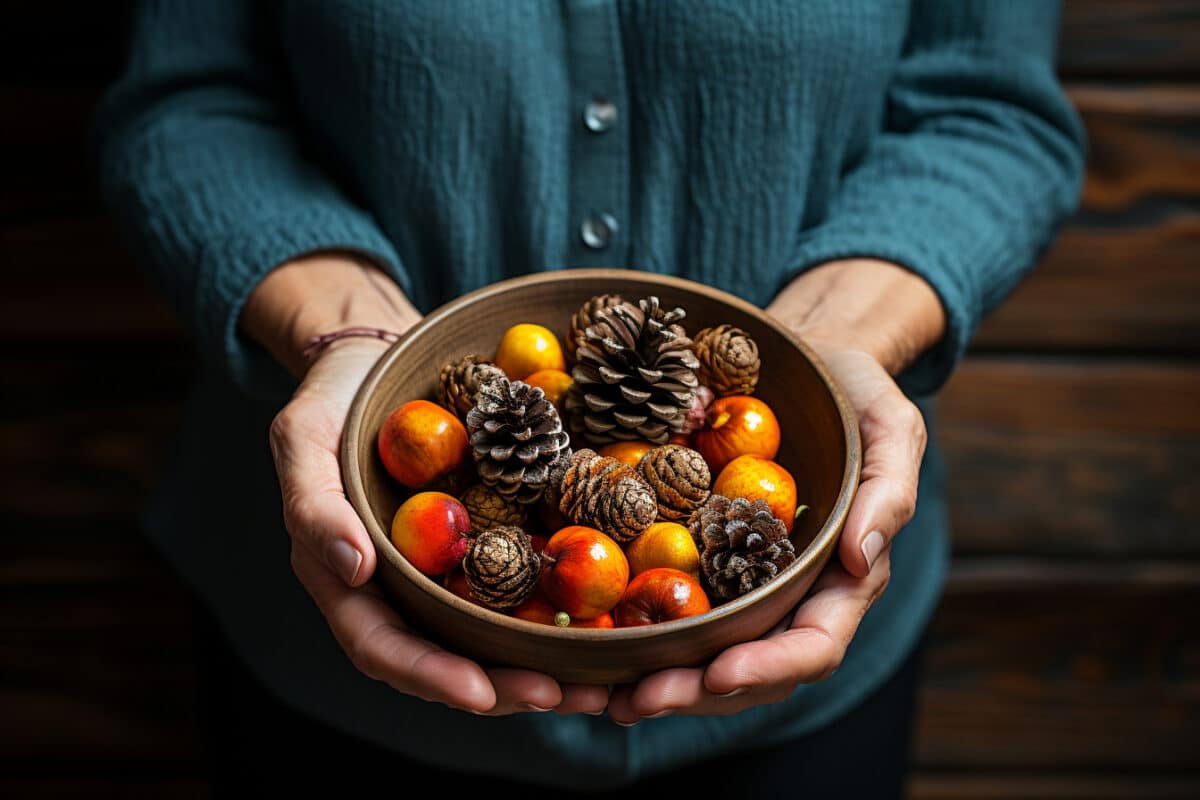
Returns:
point(582, 319)
point(459, 381)
point(487, 508)
point(729, 362)
point(742, 545)
point(501, 567)
point(635, 377)
point(679, 478)
point(605, 494)
point(516, 436)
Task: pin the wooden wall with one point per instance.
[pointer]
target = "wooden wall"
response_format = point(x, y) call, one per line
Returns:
point(1066, 656)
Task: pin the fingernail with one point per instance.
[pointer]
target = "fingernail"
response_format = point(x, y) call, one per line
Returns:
point(665, 712)
point(595, 713)
point(532, 707)
point(872, 546)
point(626, 724)
point(345, 560)
point(736, 692)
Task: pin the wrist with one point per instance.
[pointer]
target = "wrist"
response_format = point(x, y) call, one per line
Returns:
point(319, 293)
point(875, 306)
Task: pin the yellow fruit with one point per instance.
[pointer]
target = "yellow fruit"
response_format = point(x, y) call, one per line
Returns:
point(526, 348)
point(664, 544)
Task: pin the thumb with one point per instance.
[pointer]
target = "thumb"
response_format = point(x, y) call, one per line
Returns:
point(893, 436)
point(304, 443)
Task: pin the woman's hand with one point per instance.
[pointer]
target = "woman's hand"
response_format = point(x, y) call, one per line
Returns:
point(867, 320)
point(332, 554)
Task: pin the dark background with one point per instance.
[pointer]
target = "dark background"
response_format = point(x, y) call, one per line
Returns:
point(1066, 654)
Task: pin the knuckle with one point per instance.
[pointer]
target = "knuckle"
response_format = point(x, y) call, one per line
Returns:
point(283, 425)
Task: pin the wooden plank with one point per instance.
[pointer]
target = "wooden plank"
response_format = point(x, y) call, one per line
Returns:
point(44, 150)
point(1130, 38)
point(71, 279)
point(1097, 785)
point(1026, 669)
point(1073, 456)
point(1122, 274)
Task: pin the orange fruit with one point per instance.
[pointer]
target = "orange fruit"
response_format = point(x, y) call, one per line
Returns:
point(737, 425)
point(757, 478)
point(554, 382)
point(526, 348)
point(629, 453)
point(664, 544)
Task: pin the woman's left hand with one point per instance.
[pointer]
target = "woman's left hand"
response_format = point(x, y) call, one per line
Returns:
point(810, 644)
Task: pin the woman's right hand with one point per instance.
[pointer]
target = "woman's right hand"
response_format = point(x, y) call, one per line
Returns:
point(332, 554)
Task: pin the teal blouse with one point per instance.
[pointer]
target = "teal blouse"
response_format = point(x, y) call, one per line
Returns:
point(460, 142)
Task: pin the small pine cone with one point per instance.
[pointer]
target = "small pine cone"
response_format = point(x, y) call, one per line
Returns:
point(605, 494)
point(680, 480)
point(742, 545)
point(459, 381)
point(584, 317)
point(516, 436)
point(728, 358)
point(487, 508)
point(501, 567)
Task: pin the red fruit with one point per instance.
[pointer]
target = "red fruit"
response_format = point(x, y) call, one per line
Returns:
point(536, 609)
point(421, 442)
point(456, 583)
point(602, 621)
point(737, 425)
point(660, 595)
point(584, 572)
point(430, 530)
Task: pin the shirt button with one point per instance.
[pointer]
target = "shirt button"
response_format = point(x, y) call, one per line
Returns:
point(598, 230)
point(599, 115)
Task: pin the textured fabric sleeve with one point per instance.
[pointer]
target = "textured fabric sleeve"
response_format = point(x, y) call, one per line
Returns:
point(202, 167)
point(980, 160)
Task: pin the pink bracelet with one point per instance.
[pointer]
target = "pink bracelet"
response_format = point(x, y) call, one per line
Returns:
point(318, 343)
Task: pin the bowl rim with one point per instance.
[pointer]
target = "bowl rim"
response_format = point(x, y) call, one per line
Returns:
point(824, 541)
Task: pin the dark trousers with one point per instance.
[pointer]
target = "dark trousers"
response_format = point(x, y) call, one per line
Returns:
point(256, 744)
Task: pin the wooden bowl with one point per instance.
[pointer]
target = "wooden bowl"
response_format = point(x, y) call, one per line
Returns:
point(820, 447)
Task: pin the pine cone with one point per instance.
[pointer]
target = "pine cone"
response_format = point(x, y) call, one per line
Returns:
point(501, 567)
point(679, 478)
point(582, 319)
point(728, 358)
point(605, 494)
point(742, 546)
point(487, 508)
point(554, 482)
point(516, 436)
point(460, 380)
point(635, 375)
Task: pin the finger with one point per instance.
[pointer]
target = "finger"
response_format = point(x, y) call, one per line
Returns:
point(813, 647)
point(304, 444)
point(521, 690)
point(381, 647)
point(893, 436)
point(580, 698)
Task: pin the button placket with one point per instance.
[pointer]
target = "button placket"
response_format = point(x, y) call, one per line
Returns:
point(599, 142)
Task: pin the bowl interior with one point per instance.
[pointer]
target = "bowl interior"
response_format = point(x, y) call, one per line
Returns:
point(819, 436)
